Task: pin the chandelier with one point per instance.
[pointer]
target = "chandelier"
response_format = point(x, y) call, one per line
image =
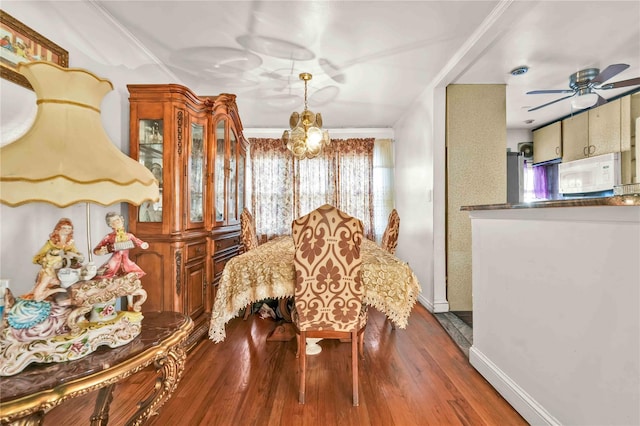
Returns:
point(306, 137)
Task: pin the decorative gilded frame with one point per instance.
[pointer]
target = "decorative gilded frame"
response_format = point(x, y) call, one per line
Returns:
point(34, 47)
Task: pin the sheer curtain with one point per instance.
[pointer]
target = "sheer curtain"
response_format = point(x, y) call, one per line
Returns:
point(271, 188)
point(383, 172)
point(284, 188)
point(314, 183)
point(354, 164)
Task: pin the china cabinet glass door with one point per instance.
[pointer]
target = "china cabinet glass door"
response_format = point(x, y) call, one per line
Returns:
point(219, 171)
point(241, 172)
point(151, 151)
point(232, 214)
point(196, 181)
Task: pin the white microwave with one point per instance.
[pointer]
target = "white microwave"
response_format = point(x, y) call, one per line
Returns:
point(589, 175)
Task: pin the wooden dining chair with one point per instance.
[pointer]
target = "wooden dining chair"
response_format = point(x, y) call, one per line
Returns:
point(329, 291)
point(390, 235)
point(249, 241)
point(248, 230)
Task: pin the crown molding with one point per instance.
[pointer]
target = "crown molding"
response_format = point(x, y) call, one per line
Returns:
point(365, 132)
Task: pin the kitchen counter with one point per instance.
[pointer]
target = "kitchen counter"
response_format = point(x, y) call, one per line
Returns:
point(556, 308)
point(618, 200)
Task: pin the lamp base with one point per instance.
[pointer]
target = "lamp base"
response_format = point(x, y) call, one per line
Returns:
point(57, 329)
point(16, 355)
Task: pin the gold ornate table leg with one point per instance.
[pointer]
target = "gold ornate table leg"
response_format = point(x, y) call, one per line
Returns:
point(170, 369)
point(100, 415)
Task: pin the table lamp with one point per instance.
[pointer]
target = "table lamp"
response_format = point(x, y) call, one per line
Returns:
point(65, 158)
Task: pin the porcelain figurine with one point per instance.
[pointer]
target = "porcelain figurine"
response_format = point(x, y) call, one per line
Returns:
point(61, 243)
point(118, 242)
point(67, 316)
point(58, 253)
point(38, 313)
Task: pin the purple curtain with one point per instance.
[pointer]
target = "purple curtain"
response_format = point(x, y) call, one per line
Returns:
point(540, 184)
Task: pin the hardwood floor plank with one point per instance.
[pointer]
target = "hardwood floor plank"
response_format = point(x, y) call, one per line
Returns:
point(416, 376)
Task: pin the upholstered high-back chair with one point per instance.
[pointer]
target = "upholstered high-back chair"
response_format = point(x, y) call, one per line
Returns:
point(390, 236)
point(248, 230)
point(329, 291)
point(249, 240)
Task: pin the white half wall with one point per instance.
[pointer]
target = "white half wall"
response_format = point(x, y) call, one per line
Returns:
point(556, 311)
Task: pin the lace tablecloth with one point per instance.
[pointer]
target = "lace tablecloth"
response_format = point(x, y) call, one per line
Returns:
point(268, 272)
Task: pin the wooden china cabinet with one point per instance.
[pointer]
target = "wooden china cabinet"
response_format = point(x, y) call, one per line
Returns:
point(195, 148)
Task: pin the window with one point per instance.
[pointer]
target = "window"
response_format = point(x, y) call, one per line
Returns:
point(349, 174)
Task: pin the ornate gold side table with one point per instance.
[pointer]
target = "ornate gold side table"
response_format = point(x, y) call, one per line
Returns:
point(26, 397)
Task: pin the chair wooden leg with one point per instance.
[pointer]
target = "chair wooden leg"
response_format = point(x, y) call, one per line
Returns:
point(247, 311)
point(361, 344)
point(354, 366)
point(393, 325)
point(303, 365)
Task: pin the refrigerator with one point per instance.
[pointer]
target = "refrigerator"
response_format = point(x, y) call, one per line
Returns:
point(515, 177)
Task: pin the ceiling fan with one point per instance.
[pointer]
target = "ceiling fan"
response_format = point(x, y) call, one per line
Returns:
point(584, 83)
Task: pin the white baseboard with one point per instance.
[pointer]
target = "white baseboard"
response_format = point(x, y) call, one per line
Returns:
point(520, 400)
point(425, 302)
point(433, 307)
point(440, 306)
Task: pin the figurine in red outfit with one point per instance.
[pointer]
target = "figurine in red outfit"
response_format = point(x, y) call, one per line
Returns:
point(118, 242)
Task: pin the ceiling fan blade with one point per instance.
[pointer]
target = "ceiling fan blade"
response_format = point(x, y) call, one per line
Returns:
point(549, 103)
point(541, 92)
point(621, 83)
point(609, 72)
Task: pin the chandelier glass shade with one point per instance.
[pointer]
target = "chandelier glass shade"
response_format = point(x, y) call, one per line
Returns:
point(306, 138)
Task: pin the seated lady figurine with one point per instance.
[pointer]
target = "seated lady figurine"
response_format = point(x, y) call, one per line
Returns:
point(61, 242)
point(42, 312)
point(59, 251)
point(118, 242)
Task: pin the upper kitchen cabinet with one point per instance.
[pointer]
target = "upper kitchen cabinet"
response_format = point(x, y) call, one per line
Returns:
point(575, 137)
point(598, 131)
point(634, 143)
point(547, 143)
point(188, 142)
point(605, 127)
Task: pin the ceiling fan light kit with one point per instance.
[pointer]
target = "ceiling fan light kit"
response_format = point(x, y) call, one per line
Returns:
point(584, 101)
point(584, 85)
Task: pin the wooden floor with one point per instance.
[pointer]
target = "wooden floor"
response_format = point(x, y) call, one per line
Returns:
point(416, 376)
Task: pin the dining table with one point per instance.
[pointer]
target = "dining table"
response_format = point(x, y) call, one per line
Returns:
point(268, 272)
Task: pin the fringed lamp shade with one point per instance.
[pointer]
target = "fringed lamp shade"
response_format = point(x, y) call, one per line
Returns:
point(66, 157)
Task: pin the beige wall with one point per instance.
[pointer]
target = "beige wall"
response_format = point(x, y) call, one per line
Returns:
point(476, 138)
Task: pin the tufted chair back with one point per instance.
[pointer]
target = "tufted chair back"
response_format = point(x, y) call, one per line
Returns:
point(390, 236)
point(248, 230)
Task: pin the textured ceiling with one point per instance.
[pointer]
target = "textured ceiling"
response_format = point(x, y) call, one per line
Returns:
point(371, 60)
